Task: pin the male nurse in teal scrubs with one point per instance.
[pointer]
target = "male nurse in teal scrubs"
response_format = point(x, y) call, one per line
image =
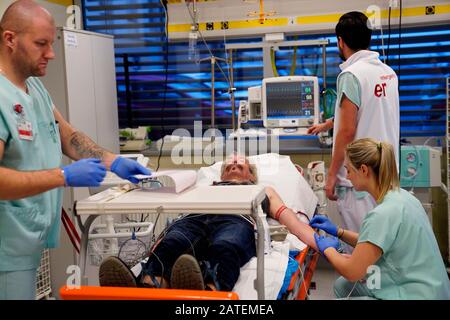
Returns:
point(33, 137)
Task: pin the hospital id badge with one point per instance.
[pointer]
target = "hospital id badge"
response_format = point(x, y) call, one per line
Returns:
point(25, 130)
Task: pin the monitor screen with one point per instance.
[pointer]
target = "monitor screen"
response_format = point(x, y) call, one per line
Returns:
point(290, 99)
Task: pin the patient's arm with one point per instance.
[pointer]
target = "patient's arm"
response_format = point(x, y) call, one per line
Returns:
point(288, 218)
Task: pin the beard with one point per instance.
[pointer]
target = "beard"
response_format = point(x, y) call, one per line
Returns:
point(25, 65)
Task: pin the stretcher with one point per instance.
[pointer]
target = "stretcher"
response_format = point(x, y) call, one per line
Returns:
point(238, 200)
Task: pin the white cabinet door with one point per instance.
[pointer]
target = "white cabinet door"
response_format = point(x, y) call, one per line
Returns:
point(104, 72)
point(80, 82)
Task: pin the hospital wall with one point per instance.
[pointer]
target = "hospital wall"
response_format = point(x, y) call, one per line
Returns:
point(288, 16)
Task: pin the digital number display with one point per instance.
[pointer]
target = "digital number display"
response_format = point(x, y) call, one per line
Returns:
point(290, 99)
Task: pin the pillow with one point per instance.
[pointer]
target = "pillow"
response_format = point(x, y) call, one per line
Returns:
point(278, 172)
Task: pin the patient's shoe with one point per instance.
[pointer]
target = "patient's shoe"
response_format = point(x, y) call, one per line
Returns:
point(114, 272)
point(186, 274)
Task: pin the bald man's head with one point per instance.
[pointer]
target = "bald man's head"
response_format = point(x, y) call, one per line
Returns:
point(27, 33)
point(22, 15)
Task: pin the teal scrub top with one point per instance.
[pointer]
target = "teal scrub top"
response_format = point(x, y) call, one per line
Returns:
point(348, 84)
point(411, 266)
point(28, 225)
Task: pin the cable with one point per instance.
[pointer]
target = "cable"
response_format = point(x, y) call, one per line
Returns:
point(195, 24)
point(399, 69)
point(389, 34)
point(438, 139)
point(274, 64)
point(161, 236)
point(293, 62)
point(192, 246)
point(303, 280)
point(162, 268)
point(227, 60)
point(167, 228)
point(351, 291)
point(153, 230)
point(166, 25)
point(382, 43)
point(206, 44)
point(304, 214)
point(166, 76)
point(399, 43)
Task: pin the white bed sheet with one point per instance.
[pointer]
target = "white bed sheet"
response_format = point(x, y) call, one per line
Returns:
point(275, 265)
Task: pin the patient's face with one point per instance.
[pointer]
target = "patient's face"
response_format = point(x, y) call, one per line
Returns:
point(237, 168)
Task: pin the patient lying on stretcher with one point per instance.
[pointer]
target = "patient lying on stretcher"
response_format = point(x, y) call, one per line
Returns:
point(200, 252)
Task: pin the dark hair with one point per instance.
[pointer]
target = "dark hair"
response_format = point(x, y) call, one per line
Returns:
point(353, 28)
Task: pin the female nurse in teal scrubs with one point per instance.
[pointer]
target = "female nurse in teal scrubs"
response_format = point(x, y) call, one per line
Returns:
point(396, 255)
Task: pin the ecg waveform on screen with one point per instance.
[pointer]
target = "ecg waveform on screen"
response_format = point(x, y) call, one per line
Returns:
point(290, 99)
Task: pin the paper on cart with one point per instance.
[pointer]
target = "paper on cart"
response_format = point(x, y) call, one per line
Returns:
point(179, 180)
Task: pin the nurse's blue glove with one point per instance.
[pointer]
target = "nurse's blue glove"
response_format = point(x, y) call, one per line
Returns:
point(323, 223)
point(324, 242)
point(127, 168)
point(84, 173)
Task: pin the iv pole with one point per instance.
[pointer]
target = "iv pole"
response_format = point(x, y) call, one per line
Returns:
point(213, 61)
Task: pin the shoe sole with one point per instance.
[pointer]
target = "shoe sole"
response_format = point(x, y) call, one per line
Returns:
point(115, 273)
point(186, 274)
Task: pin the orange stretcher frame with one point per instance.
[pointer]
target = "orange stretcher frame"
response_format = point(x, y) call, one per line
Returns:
point(120, 293)
point(310, 267)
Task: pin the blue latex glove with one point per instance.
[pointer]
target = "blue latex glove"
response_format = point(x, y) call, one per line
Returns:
point(323, 223)
point(127, 168)
point(84, 173)
point(324, 242)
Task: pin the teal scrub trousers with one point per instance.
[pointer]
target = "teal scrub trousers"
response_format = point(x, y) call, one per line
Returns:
point(344, 289)
point(18, 285)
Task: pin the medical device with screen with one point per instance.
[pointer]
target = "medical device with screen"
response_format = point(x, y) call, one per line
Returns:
point(291, 101)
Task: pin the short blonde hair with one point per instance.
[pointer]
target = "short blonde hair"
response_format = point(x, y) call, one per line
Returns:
point(379, 156)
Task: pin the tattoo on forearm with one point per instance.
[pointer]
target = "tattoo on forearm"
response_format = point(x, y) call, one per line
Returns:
point(85, 147)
